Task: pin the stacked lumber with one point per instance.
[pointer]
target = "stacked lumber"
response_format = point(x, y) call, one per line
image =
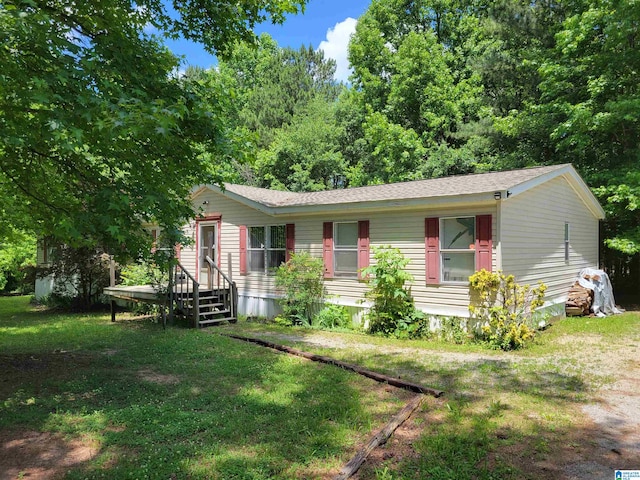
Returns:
point(579, 300)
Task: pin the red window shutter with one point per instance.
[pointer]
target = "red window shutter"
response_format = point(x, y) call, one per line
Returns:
point(363, 246)
point(243, 250)
point(432, 250)
point(290, 242)
point(484, 243)
point(327, 248)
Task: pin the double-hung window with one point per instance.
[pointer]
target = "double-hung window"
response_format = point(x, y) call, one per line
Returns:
point(457, 248)
point(266, 248)
point(345, 249)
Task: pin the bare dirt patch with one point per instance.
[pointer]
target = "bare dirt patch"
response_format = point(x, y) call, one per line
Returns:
point(160, 378)
point(40, 455)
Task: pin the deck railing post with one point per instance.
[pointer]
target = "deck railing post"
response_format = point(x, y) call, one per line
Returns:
point(196, 306)
point(170, 292)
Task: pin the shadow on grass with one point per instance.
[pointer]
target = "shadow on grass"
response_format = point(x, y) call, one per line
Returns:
point(177, 403)
point(509, 417)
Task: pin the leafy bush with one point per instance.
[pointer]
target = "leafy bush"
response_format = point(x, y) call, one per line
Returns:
point(332, 316)
point(143, 273)
point(393, 310)
point(419, 327)
point(17, 261)
point(301, 283)
point(504, 308)
point(80, 274)
point(452, 330)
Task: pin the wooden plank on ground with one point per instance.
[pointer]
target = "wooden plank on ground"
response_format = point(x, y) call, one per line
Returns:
point(396, 382)
point(379, 438)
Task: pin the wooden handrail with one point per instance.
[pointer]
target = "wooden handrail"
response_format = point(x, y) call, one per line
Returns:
point(212, 265)
point(178, 267)
point(231, 297)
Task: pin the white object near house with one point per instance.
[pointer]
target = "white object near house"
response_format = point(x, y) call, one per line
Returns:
point(539, 224)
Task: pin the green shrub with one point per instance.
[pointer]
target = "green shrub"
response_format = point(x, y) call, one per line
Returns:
point(332, 316)
point(419, 327)
point(452, 330)
point(504, 308)
point(144, 273)
point(301, 284)
point(17, 261)
point(393, 310)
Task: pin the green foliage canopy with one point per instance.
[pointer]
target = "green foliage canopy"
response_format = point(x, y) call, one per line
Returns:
point(98, 132)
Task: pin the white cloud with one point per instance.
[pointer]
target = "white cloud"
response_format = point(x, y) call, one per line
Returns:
point(336, 46)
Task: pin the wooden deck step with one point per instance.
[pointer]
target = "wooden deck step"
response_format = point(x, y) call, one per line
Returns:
point(211, 305)
point(213, 321)
point(214, 312)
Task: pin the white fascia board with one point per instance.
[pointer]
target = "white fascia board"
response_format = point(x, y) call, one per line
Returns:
point(584, 192)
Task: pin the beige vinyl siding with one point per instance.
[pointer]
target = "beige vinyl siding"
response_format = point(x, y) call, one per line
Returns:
point(233, 214)
point(532, 226)
point(404, 229)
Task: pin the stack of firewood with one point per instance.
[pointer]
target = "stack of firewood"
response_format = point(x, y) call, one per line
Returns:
point(579, 301)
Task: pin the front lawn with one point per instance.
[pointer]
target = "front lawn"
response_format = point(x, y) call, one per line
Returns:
point(177, 403)
point(185, 404)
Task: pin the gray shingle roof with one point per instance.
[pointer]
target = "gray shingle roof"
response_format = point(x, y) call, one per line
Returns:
point(437, 187)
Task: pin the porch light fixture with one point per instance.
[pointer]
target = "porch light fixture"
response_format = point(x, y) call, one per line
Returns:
point(497, 195)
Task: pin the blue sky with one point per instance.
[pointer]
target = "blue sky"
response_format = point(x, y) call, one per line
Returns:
point(326, 24)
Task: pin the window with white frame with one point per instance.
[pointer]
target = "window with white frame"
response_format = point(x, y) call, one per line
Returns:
point(345, 249)
point(266, 248)
point(457, 248)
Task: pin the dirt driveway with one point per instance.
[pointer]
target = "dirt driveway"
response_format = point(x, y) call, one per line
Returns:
point(607, 423)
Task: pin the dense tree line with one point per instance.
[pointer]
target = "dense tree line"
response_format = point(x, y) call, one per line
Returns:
point(439, 87)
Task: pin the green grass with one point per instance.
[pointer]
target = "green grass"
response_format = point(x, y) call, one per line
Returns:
point(194, 404)
point(503, 414)
point(181, 403)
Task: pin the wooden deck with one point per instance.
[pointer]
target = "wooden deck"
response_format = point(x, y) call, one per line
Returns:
point(136, 293)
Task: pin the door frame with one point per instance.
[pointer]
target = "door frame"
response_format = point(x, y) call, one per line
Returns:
point(207, 221)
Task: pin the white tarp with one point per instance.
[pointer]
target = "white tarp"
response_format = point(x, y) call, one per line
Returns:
point(598, 281)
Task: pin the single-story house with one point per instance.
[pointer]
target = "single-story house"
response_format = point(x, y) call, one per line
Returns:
point(539, 224)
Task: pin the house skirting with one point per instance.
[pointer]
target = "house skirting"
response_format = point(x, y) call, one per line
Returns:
point(261, 305)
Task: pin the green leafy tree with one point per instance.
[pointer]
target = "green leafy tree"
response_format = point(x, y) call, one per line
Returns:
point(393, 153)
point(410, 63)
point(17, 255)
point(275, 84)
point(94, 118)
point(304, 156)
